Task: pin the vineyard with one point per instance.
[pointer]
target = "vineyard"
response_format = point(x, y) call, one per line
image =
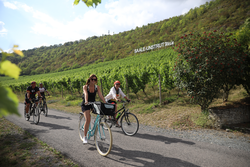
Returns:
point(134, 72)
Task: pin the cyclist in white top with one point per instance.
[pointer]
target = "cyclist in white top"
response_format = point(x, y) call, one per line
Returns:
point(42, 90)
point(115, 94)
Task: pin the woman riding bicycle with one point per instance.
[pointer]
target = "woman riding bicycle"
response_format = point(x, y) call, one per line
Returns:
point(115, 94)
point(89, 93)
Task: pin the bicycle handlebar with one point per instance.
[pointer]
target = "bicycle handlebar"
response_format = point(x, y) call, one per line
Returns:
point(89, 103)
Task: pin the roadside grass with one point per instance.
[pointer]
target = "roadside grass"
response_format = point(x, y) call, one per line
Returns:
point(20, 148)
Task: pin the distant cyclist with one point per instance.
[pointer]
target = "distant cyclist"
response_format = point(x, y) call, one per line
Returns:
point(115, 94)
point(31, 94)
point(42, 90)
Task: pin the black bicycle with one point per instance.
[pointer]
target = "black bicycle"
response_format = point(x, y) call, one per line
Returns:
point(43, 108)
point(33, 111)
point(129, 122)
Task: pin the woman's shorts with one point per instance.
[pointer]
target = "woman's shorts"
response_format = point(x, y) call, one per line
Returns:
point(86, 107)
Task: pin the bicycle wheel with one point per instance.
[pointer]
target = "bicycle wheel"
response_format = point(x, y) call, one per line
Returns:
point(36, 115)
point(108, 121)
point(40, 108)
point(129, 124)
point(82, 121)
point(45, 110)
point(81, 126)
point(26, 118)
point(103, 139)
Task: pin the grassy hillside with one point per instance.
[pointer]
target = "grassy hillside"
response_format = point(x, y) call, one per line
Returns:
point(222, 15)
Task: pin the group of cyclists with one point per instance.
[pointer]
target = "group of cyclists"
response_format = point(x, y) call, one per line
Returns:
point(90, 89)
point(30, 95)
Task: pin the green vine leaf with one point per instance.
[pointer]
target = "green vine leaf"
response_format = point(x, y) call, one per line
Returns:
point(10, 69)
point(9, 102)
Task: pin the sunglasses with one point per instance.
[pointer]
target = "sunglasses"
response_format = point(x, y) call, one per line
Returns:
point(117, 84)
point(94, 79)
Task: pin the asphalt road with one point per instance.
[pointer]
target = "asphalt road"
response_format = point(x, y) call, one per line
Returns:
point(60, 131)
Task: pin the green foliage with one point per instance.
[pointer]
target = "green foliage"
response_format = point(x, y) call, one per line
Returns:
point(202, 119)
point(208, 62)
point(139, 70)
point(69, 98)
point(8, 100)
point(243, 36)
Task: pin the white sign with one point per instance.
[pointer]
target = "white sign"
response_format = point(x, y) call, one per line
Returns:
point(155, 46)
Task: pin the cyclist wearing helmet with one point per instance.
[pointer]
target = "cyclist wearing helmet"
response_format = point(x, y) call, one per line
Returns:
point(42, 90)
point(115, 94)
point(30, 94)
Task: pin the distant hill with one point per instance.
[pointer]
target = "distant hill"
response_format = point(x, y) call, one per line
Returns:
point(223, 15)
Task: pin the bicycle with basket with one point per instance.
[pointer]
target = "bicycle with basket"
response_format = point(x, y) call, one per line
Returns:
point(99, 129)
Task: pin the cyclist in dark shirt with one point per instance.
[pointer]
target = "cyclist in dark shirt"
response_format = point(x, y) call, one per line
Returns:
point(30, 94)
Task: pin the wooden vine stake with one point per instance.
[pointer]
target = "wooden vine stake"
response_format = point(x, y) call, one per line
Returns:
point(160, 88)
point(62, 90)
point(71, 89)
point(127, 87)
point(101, 85)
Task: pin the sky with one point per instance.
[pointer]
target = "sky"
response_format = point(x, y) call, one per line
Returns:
point(33, 23)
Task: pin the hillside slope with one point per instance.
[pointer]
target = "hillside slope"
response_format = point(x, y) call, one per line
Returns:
point(222, 15)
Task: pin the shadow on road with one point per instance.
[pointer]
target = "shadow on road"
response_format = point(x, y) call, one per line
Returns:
point(53, 126)
point(36, 131)
point(58, 117)
point(137, 158)
point(166, 140)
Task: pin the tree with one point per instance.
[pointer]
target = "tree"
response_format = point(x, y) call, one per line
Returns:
point(88, 2)
point(8, 100)
point(207, 63)
point(243, 36)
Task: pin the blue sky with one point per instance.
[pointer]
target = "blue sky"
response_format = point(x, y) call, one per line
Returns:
point(32, 23)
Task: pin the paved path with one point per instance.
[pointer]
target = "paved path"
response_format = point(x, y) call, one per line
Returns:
point(60, 131)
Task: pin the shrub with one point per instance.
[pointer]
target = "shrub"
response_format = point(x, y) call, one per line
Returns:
point(207, 63)
point(69, 98)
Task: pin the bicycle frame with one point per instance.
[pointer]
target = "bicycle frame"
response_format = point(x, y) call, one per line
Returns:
point(124, 110)
point(33, 106)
